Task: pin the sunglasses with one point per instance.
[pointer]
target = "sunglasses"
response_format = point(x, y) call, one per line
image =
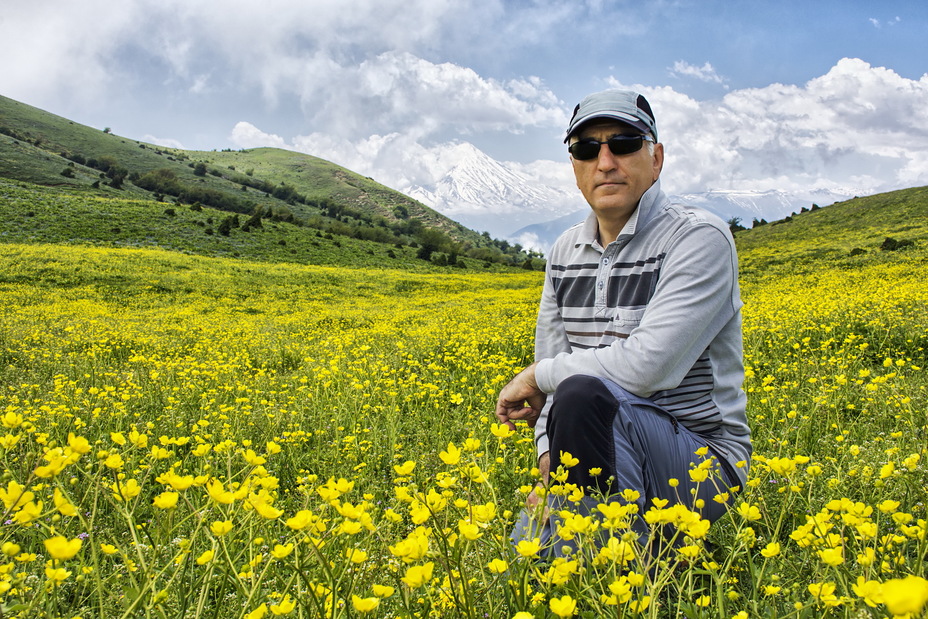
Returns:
point(585, 150)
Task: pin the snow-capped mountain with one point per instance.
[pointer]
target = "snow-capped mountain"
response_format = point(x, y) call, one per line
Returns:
point(511, 203)
point(488, 195)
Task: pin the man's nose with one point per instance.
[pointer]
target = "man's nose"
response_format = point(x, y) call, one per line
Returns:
point(606, 160)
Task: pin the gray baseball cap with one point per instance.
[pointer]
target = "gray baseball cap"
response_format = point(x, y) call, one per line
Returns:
point(626, 106)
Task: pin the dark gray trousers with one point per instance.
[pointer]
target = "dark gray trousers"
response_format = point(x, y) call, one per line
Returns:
point(635, 444)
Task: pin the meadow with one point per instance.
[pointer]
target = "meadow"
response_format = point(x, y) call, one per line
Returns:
point(190, 436)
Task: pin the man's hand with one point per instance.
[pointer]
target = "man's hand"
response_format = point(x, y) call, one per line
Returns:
point(520, 399)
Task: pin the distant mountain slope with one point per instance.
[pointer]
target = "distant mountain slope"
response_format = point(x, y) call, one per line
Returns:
point(745, 206)
point(45, 149)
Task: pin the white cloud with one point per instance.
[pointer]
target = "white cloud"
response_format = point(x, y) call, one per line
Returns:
point(878, 24)
point(858, 127)
point(246, 135)
point(705, 73)
point(168, 142)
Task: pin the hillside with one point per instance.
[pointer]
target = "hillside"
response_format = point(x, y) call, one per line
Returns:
point(846, 234)
point(50, 151)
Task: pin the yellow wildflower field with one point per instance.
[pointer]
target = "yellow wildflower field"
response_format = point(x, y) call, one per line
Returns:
point(200, 437)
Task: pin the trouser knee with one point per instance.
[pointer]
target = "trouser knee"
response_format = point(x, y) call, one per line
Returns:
point(580, 423)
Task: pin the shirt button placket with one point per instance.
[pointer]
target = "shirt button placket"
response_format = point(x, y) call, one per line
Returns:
point(603, 278)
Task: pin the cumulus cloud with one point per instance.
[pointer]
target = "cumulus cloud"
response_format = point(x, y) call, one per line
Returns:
point(168, 142)
point(858, 128)
point(246, 135)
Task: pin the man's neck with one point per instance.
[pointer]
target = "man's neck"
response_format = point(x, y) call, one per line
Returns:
point(607, 230)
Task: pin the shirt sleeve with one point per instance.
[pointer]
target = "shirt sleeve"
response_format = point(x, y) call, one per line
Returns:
point(696, 296)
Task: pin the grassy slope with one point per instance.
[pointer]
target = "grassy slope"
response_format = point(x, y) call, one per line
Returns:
point(33, 214)
point(830, 234)
point(310, 176)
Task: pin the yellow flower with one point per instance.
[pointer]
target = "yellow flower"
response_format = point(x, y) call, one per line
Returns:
point(468, 530)
point(639, 606)
point(301, 520)
point(887, 469)
point(413, 547)
point(418, 575)
point(356, 555)
point(771, 550)
point(218, 493)
point(824, 593)
point(108, 549)
point(500, 430)
point(61, 548)
point(888, 506)
point(253, 458)
point(382, 591)
point(528, 548)
point(568, 460)
point(11, 420)
point(451, 456)
point(404, 469)
point(257, 613)
point(498, 566)
point(10, 549)
point(832, 556)
point(114, 461)
point(56, 574)
point(749, 512)
point(28, 512)
point(166, 500)
point(564, 606)
point(905, 596)
point(220, 527)
point(281, 550)
point(126, 490)
point(870, 591)
point(364, 605)
point(205, 558)
point(285, 606)
point(698, 475)
point(63, 505)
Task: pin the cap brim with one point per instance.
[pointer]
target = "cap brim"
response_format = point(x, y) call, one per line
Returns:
point(625, 119)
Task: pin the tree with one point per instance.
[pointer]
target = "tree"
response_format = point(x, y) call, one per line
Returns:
point(734, 224)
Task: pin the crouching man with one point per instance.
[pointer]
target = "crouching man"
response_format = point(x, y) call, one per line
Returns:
point(638, 350)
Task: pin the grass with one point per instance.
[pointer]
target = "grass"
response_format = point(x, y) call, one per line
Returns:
point(188, 436)
point(31, 214)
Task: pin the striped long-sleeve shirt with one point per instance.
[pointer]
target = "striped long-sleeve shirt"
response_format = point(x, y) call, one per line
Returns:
point(657, 311)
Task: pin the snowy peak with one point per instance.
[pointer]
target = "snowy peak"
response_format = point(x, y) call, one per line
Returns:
point(485, 194)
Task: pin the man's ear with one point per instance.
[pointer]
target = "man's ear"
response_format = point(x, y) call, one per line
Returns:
point(658, 160)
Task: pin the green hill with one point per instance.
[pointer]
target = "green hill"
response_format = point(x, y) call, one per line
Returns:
point(878, 228)
point(296, 190)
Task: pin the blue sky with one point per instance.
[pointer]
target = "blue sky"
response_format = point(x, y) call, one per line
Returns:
point(747, 94)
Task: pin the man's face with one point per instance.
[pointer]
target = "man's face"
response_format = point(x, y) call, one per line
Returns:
point(613, 184)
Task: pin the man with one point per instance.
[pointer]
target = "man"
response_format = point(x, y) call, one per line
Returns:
point(638, 352)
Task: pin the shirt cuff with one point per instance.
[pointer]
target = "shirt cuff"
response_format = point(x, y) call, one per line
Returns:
point(544, 376)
